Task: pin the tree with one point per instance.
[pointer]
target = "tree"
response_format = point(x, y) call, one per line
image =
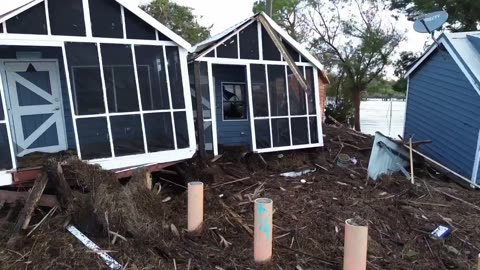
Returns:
point(287, 13)
point(402, 65)
point(179, 19)
point(352, 37)
point(464, 15)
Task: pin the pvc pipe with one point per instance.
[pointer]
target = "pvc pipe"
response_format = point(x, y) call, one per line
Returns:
point(478, 262)
point(195, 206)
point(262, 238)
point(355, 250)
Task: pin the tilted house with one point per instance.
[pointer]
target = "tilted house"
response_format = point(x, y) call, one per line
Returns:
point(98, 77)
point(252, 94)
point(443, 103)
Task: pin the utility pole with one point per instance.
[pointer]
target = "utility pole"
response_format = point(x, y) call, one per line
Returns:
point(269, 7)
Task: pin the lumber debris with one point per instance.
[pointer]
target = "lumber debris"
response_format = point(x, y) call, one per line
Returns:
point(27, 211)
point(237, 218)
point(11, 197)
point(64, 193)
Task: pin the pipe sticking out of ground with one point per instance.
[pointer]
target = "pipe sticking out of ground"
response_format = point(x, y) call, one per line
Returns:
point(262, 238)
point(195, 206)
point(355, 250)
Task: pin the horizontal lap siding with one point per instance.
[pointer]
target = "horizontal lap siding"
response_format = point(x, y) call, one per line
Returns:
point(444, 107)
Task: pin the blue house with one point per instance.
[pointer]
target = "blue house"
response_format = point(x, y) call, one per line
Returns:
point(443, 103)
point(99, 78)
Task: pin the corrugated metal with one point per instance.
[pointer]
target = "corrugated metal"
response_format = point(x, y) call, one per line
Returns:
point(444, 107)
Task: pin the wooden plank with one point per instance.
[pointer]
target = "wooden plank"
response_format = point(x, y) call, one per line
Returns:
point(64, 193)
point(199, 98)
point(26, 214)
point(291, 63)
point(11, 197)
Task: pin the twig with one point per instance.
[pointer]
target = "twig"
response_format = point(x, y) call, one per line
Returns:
point(231, 182)
point(173, 183)
point(330, 263)
point(428, 245)
point(51, 212)
point(321, 167)
point(237, 218)
point(118, 235)
point(458, 199)
point(189, 263)
point(428, 189)
point(174, 264)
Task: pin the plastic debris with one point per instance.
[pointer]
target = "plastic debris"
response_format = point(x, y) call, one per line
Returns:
point(298, 174)
point(441, 232)
point(111, 262)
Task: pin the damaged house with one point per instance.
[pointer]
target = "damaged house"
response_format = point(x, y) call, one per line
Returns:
point(99, 78)
point(254, 85)
point(443, 104)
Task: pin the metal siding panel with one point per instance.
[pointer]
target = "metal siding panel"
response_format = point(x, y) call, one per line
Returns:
point(444, 107)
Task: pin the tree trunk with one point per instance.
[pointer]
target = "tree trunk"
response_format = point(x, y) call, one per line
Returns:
point(356, 105)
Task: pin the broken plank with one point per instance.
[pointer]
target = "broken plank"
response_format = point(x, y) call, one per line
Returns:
point(11, 197)
point(64, 193)
point(458, 199)
point(27, 211)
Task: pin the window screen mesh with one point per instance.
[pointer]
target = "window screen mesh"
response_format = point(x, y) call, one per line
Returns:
point(259, 90)
point(5, 156)
point(278, 90)
point(159, 132)
point(152, 77)
point(137, 28)
point(127, 135)
point(119, 78)
point(175, 76)
point(270, 51)
point(93, 137)
point(228, 49)
point(66, 17)
point(31, 21)
point(85, 77)
point(249, 42)
point(106, 18)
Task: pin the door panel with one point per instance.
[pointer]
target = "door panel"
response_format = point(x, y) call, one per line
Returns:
point(35, 106)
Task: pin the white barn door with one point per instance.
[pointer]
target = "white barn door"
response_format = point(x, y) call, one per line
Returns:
point(35, 106)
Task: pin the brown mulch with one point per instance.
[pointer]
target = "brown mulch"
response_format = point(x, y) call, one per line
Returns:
point(308, 219)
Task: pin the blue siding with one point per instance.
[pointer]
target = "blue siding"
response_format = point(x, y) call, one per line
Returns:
point(9, 52)
point(230, 132)
point(444, 107)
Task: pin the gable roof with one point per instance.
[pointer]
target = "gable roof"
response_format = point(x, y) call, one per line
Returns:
point(214, 41)
point(11, 9)
point(464, 48)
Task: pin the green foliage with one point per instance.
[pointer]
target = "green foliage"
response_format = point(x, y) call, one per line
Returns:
point(464, 15)
point(351, 39)
point(179, 19)
point(401, 67)
point(287, 13)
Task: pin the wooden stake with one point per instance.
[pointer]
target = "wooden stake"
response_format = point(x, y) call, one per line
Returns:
point(148, 180)
point(64, 193)
point(411, 162)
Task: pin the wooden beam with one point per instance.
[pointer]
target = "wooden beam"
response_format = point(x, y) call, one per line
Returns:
point(199, 99)
point(291, 63)
point(26, 214)
point(55, 175)
point(11, 197)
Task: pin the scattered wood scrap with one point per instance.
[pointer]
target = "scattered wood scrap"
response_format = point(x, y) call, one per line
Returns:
point(11, 197)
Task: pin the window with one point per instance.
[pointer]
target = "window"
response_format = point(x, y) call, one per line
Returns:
point(175, 76)
point(249, 42)
point(127, 135)
point(259, 90)
point(229, 49)
point(119, 78)
point(5, 157)
point(270, 51)
point(31, 21)
point(278, 90)
point(66, 17)
point(94, 138)
point(137, 28)
point(106, 18)
point(234, 101)
point(85, 78)
point(159, 132)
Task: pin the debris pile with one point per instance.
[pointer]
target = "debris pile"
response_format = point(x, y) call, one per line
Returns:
point(144, 228)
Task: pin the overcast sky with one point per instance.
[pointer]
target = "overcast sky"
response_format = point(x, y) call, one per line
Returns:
point(224, 13)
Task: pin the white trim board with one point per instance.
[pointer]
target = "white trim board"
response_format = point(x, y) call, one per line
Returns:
point(476, 163)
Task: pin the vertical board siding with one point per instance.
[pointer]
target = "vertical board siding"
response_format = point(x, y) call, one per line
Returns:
point(10, 52)
point(230, 132)
point(445, 108)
